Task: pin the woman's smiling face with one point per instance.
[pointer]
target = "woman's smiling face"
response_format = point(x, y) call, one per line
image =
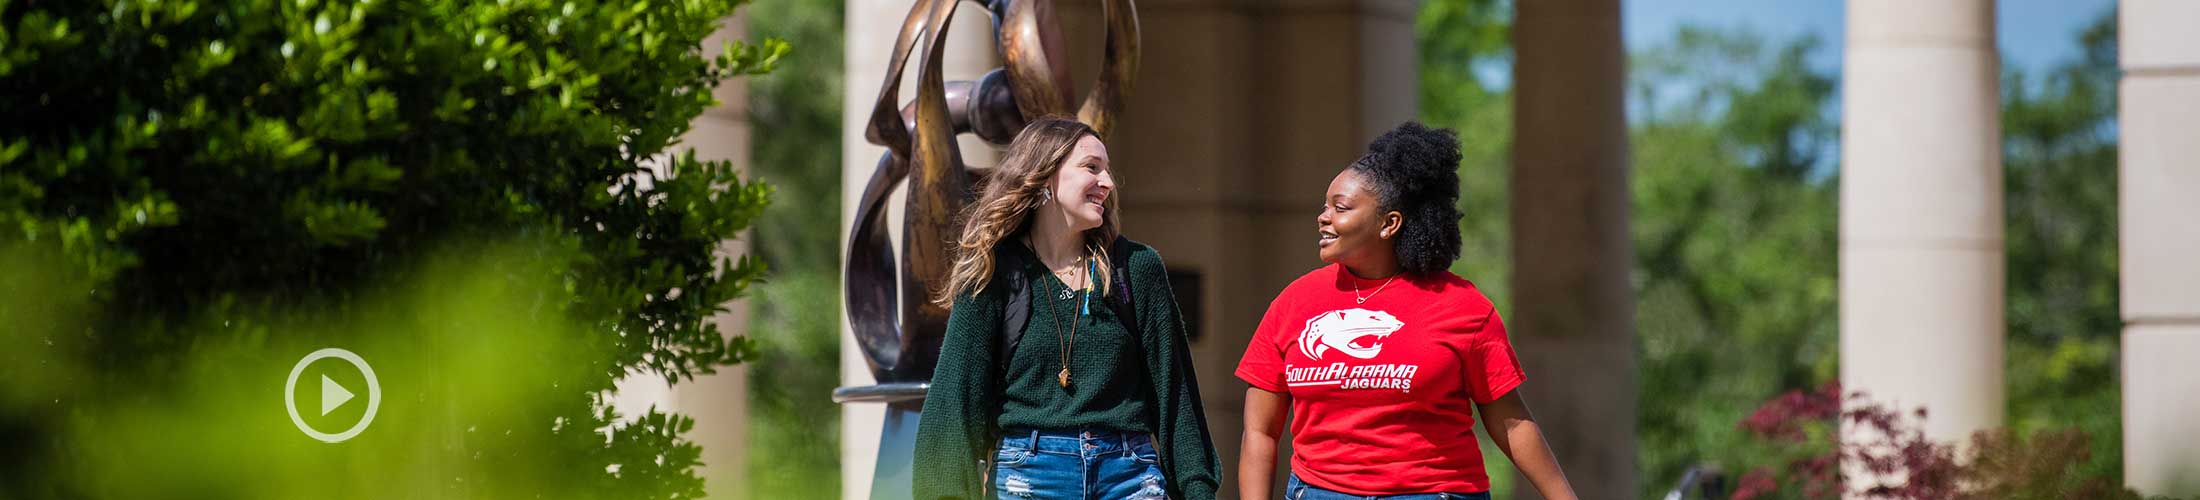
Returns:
point(1082, 186)
point(1354, 228)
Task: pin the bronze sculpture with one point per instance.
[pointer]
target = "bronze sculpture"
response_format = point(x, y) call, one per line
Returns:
point(897, 329)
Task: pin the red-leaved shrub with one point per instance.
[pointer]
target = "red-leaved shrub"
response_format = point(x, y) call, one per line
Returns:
point(1890, 457)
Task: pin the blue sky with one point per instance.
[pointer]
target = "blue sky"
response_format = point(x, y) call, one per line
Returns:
point(2033, 34)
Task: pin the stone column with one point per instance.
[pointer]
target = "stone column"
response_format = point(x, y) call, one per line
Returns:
point(1921, 218)
point(2160, 121)
point(1572, 312)
point(1180, 154)
point(871, 26)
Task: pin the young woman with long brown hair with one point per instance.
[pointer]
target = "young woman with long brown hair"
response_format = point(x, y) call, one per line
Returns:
point(1064, 373)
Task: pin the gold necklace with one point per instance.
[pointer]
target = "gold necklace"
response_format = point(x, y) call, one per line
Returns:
point(1065, 295)
point(1370, 295)
point(1071, 340)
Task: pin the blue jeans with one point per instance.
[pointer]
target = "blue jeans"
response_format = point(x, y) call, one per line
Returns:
point(1062, 465)
point(1299, 490)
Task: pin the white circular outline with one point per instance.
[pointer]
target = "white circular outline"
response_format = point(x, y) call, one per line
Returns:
point(290, 394)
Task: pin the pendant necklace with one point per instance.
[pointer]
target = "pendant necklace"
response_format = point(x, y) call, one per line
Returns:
point(1370, 295)
point(1069, 341)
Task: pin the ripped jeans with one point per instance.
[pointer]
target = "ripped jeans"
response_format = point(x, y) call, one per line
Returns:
point(1094, 465)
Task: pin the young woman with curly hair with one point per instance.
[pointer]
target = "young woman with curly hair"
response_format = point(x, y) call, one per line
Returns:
point(1383, 356)
point(1064, 373)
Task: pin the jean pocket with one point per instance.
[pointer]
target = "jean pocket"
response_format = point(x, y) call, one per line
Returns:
point(1011, 457)
point(1147, 457)
point(1143, 450)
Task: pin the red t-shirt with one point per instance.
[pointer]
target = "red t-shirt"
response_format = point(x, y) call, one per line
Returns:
point(1380, 391)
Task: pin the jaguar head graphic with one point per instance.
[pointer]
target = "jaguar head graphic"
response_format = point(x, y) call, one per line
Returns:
point(1357, 333)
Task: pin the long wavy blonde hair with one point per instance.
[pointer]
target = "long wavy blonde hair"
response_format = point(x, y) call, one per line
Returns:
point(1012, 194)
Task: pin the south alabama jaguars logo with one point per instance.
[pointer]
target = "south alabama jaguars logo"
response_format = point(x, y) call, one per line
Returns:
point(1357, 333)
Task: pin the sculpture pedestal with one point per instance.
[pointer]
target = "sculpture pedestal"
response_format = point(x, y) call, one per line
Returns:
point(897, 442)
point(897, 445)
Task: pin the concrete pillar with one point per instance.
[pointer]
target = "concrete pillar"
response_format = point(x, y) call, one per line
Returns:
point(1572, 317)
point(2160, 168)
point(871, 26)
point(1181, 154)
point(1921, 217)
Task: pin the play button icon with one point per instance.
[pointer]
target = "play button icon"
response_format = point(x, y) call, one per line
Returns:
point(333, 394)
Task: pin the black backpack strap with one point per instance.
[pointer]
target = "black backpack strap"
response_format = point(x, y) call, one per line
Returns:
point(1009, 270)
point(1119, 262)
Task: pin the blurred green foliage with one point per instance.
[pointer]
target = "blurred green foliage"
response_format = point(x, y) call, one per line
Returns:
point(2059, 150)
point(1735, 232)
point(478, 394)
point(1735, 227)
point(201, 166)
point(793, 423)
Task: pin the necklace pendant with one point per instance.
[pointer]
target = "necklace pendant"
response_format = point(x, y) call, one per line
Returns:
point(1064, 377)
point(1359, 300)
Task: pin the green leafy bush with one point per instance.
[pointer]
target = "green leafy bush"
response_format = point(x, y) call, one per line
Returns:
point(203, 163)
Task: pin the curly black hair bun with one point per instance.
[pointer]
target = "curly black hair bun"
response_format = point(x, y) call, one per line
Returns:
point(1415, 170)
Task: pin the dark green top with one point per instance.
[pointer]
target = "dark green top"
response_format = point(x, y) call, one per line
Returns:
point(1108, 387)
point(1114, 381)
